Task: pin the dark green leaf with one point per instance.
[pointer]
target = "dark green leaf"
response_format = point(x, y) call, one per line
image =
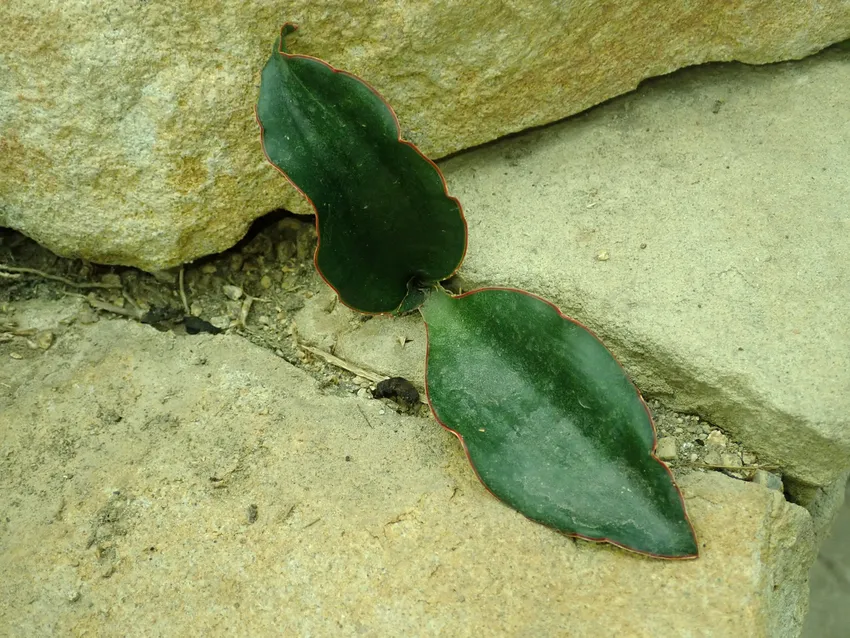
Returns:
point(550, 421)
point(385, 217)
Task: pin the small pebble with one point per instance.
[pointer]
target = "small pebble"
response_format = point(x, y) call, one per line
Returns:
point(399, 390)
point(602, 255)
point(231, 292)
point(236, 262)
point(265, 282)
point(165, 276)
point(285, 250)
point(44, 339)
point(679, 419)
point(693, 457)
point(770, 480)
point(15, 355)
point(363, 393)
point(749, 459)
point(667, 448)
point(304, 243)
point(196, 325)
point(209, 269)
point(111, 279)
point(221, 322)
point(87, 317)
point(730, 460)
point(713, 458)
point(252, 513)
point(716, 438)
point(196, 309)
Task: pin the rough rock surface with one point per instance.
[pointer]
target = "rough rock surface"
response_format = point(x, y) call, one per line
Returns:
point(829, 615)
point(188, 485)
point(720, 199)
point(127, 133)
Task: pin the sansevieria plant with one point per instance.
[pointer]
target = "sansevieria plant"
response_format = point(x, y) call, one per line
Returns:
point(550, 421)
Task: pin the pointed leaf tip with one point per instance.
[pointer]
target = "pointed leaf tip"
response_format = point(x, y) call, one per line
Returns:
point(550, 421)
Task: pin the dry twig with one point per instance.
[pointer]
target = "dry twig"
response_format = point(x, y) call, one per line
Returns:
point(183, 292)
point(18, 270)
point(133, 313)
point(345, 365)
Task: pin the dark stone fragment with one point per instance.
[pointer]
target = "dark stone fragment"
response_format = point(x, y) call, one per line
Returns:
point(194, 325)
point(399, 389)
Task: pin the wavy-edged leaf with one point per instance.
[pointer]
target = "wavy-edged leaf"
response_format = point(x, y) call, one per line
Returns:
point(384, 215)
point(550, 421)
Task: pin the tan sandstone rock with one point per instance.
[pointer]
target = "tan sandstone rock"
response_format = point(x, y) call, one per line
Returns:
point(127, 133)
point(203, 486)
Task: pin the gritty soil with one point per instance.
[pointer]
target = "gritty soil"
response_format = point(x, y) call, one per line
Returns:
point(254, 289)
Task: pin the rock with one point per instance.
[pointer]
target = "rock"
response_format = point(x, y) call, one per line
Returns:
point(667, 449)
point(126, 140)
point(770, 480)
point(822, 503)
point(720, 276)
point(221, 322)
point(44, 339)
point(830, 603)
point(717, 439)
point(165, 276)
point(233, 293)
point(236, 262)
point(318, 327)
point(713, 458)
point(111, 279)
point(730, 459)
point(407, 522)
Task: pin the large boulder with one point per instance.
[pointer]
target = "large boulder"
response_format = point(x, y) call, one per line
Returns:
point(700, 227)
point(203, 486)
point(127, 133)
